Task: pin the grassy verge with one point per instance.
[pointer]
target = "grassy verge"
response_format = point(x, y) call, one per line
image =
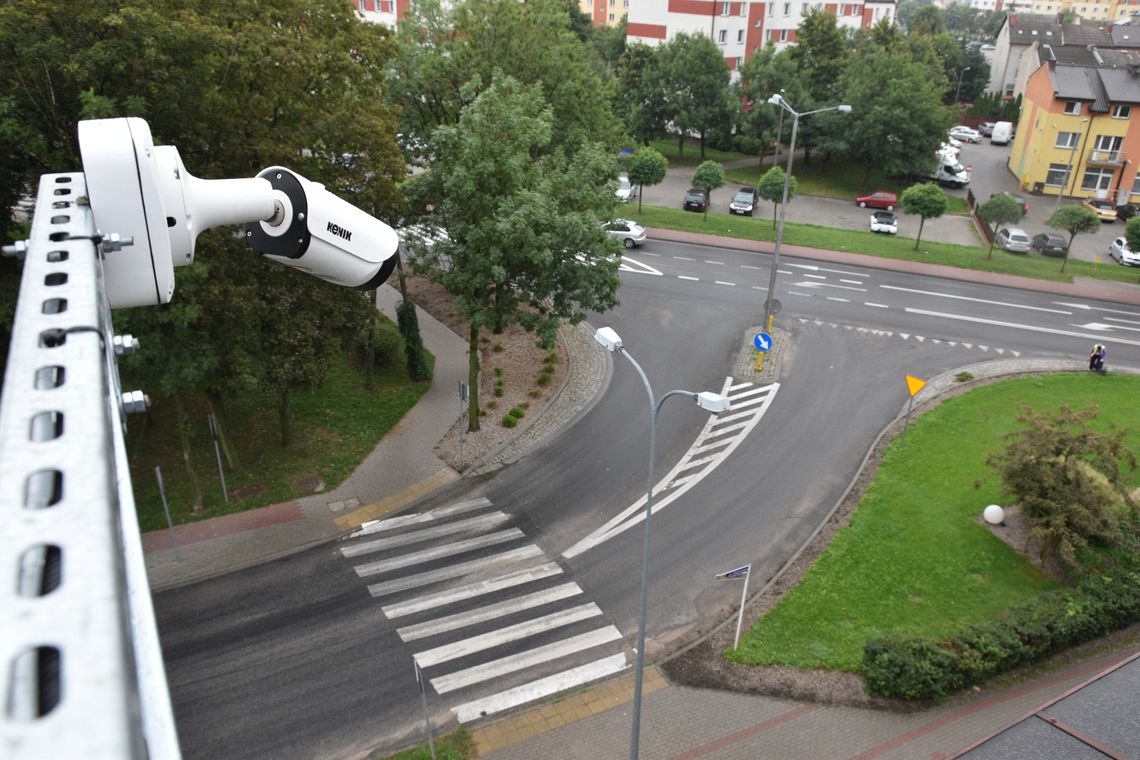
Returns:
point(335, 427)
point(692, 156)
point(886, 246)
point(453, 746)
point(914, 559)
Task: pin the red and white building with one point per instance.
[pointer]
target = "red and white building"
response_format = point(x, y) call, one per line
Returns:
point(384, 12)
point(742, 28)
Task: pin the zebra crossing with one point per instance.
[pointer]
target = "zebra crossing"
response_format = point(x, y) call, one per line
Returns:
point(492, 622)
point(909, 336)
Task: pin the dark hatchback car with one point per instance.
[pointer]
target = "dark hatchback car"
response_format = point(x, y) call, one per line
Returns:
point(1020, 202)
point(1126, 211)
point(696, 200)
point(1050, 244)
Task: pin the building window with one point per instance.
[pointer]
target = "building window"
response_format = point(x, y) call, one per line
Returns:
point(613, 3)
point(386, 6)
point(1097, 179)
point(787, 9)
point(1067, 140)
point(740, 35)
point(1073, 108)
point(723, 36)
point(724, 9)
point(739, 61)
point(783, 35)
point(771, 9)
point(1121, 112)
point(1056, 176)
point(744, 9)
point(804, 9)
point(611, 17)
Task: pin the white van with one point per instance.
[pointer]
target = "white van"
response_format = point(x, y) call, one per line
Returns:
point(1003, 131)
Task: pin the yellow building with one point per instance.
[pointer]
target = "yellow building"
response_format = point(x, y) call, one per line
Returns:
point(1076, 133)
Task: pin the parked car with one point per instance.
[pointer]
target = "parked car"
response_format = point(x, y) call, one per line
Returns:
point(1020, 202)
point(953, 141)
point(1002, 133)
point(696, 199)
point(878, 199)
point(1012, 239)
point(884, 221)
point(1119, 250)
point(626, 190)
point(1126, 211)
point(965, 134)
point(1050, 244)
point(986, 128)
point(1104, 210)
point(630, 233)
point(744, 202)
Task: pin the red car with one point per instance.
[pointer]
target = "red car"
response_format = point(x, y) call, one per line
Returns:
point(878, 199)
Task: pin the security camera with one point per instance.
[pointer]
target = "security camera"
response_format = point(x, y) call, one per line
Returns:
point(142, 191)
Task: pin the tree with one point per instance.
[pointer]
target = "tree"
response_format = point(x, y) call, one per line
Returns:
point(521, 217)
point(998, 211)
point(925, 199)
point(1067, 478)
point(695, 82)
point(1132, 233)
point(771, 188)
point(766, 73)
point(639, 95)
point(710, 176)
point(821, 53)
point(647, 167)
point(1074, 220)
point(926, 20)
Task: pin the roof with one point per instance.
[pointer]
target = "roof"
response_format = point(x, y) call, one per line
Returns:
point(1078, 83)
point(1086, 34)
point(1027, 28)
point(1125, 35)
point(1097, 719)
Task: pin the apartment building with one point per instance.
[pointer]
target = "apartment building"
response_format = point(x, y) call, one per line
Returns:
point(384, 12)
point(604, 12)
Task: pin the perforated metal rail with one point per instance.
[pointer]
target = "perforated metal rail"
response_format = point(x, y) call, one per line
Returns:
point(80, 664)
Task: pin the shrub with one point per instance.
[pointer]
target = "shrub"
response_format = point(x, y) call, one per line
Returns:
point(747, 144)
point(387, 343)
point(509, 421)
point(963, 377)
point(545, 378)
point(492, 404)
point(497, 348)
point(498, 371)
point(499, 388)
point(517, 412)
point(415, 354)
point(534, 393)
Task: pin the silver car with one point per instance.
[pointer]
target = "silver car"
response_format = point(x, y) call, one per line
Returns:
point(629, 233)
point(1013, 239)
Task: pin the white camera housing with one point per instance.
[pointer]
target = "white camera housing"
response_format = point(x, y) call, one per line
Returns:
point(142, 191)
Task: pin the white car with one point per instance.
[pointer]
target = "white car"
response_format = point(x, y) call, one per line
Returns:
point(626, 190)
point(946, 150)
point(629, 233)
point(1013, 239)
point(965, 134)
point(884, 221)
point(953, 141)
point(1120, 251)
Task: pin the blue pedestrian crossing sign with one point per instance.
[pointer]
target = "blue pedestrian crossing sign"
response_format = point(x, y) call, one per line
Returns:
point(762, 341)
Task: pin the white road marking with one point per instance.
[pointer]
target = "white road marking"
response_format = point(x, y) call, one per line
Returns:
point(470, 590)
point(816, 276)
point(825, 285)
point(391, 523)
point(683, 258)
point(729, 284)
point(687, 277)
point(974, 300)
point(1103, 326)
point(438, 552)
point(841, 300)
point(481, 523)
point(638, 267)
point(1086, 307)
point(749, 266)
point(814, 268)
point(754, 402)
point(489, 612)
point(718, 263)
point(758, 287)
point(794, 293)
point(516, 662)
point(492, 639)
point(876, 305)
point(1030, 328)
point(543, 687)
point(452, 571)
point(851, 282)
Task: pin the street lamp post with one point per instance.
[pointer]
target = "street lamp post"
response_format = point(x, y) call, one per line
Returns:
point(1069, 168)
point(778, 100)
point(958, 90)
point(713, 402)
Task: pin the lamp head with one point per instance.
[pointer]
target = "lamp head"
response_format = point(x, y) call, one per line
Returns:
point(844, 109)
point(609, 338)
point(713, 402)
point(776, 99)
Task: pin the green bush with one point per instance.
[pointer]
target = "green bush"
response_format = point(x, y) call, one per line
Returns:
point(746, 144)
point(498, 371)
point(918, 668)
point(545, 378)
point(517, 412)
point(509, 421)
point(416, 360)
point(387, 343)
point(499, 388)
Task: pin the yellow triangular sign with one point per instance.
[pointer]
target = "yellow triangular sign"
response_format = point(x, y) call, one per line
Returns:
point(914, 384)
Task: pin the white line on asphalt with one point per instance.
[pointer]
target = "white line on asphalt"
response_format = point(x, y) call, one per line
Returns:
point(825, 285)
point(1103, 326)
point(721, 282)
point(492, 639)
point(1086, 307)
point(481, 523)
point(876, 305)
point(974, 300)
point(1030, 328)
point(438, 552)
point(1118, 319)
point(647, 253)
point(794, 293)
point(816, 276)
point(489, 612)
point(851, 282)
point(391, 523)
point(687, 277)
point(718, 263)
point(471, 590)
point(841, 300)
point(522, 660)
point(749, 266)
point(683, 258)
point(543, 687)
point(758, 287)
point(638, 267)
point(814, 268)
point(452, 571)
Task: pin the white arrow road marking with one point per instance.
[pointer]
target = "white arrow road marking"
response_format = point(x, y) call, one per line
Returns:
point(1103, 326)
point(749, 403)
point(814, 268)
point(825, 285)
point(973, 300)
point(1030, 328)
point(543, 687)
point(637, 267)
point(1086, 307)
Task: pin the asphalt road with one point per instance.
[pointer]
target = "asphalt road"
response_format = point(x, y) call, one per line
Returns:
point(298, 658)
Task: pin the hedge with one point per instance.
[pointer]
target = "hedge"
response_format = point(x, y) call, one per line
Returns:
point(920, 668)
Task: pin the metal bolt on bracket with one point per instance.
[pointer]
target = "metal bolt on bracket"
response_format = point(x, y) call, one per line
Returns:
point(19, 249)
point(113, 242)
point(135, 401)
point(125, 345)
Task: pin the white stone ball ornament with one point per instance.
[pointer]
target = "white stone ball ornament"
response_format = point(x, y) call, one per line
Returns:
point(994, 514)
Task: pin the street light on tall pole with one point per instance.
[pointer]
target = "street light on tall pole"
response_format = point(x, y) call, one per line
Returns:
point(958, 91)
point(778, 100)
point(713, 402)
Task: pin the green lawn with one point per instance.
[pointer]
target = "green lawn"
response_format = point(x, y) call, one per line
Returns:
point(886, 246)
point(914, 559)
point(692, 156)
point(335, 427)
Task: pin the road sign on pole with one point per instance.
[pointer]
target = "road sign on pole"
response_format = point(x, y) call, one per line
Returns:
point(732, 575)
point(913, 386)
point(762, 341)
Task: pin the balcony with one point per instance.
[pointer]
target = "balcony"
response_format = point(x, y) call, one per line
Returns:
point(1106, 158)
